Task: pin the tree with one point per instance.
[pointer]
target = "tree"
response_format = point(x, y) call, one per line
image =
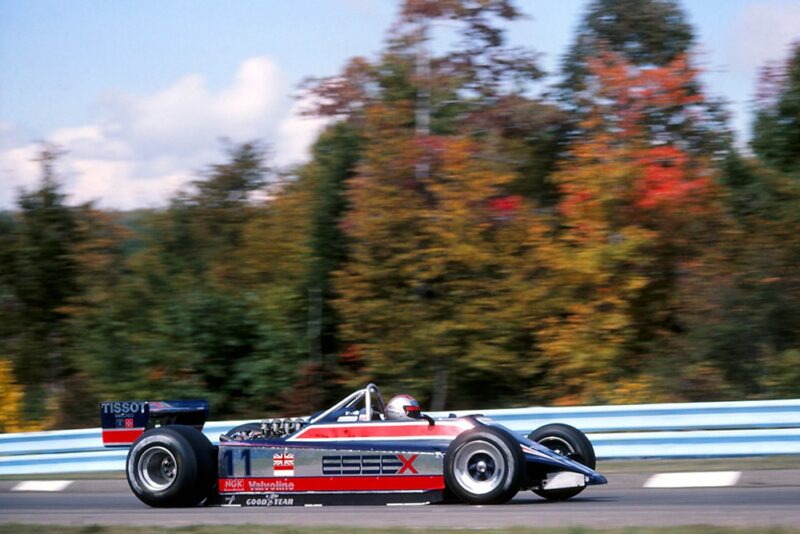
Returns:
point(637, 212)
point(99, 257)
point(426, 245)
point(751, 333)
point(458, 89)
point(644, 33)
point(208, 300)
point(8, 249)
point(644, 36)
point(277, 261)
point(434, 277)
point(11, 396)
point(334, 159)
point(44, 281)
point(776, 129)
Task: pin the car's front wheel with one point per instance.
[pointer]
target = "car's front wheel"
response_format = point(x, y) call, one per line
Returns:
point(484, 465)
point(171, 466)
point(567, 441)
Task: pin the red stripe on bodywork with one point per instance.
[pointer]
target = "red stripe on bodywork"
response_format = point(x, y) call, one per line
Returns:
point(377, 430)
point(342, 483)
point(121, 436)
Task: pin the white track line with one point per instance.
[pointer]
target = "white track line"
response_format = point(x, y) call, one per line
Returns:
point(709, 479)
point(42, 485)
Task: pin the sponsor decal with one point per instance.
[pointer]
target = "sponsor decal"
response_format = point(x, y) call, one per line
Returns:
point(255, 485)
point(269, 485)
point(283, 464)
point(118, 408)
point(232, 484)
point(273, 499)
point(123, 422)
point(368, 464)
point(335, 484)
point(408, 464)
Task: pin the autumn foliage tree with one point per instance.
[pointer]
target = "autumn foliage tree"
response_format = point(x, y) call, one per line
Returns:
point(427, 251)
point(638, 209)
point(429, 294)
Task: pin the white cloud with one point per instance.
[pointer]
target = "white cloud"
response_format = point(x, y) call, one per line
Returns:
point(296, 134)
point(18, 170)
point(143, 148)
point(763, 32)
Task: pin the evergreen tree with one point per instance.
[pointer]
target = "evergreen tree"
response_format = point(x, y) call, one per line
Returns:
point(776, 130)
point(644, 35)
point(334, 159)
point(649, 33)
point(44, 281)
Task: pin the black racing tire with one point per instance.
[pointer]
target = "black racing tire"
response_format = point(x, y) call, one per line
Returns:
point(484, 465)
point(238, 432)
point(567, 441)
point(171, 466)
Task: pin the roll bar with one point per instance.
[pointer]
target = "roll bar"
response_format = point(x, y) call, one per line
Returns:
point(353, 399)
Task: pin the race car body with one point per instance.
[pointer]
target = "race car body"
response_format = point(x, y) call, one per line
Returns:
point(348, 454)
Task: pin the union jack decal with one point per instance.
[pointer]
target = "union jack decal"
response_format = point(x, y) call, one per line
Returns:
point(283, 464)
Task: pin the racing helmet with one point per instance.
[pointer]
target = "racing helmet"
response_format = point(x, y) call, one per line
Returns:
point(403, 407)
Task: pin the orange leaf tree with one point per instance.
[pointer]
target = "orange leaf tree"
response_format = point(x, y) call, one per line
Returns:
point(637, 208)
point(429, 295)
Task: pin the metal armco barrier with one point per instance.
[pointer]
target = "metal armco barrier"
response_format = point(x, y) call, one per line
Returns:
point(695, 430)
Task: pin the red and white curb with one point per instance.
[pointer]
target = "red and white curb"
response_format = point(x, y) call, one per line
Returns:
point(702, 479)
point(42, 485)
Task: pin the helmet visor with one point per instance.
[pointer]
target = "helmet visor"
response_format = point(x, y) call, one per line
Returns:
point(412, 411)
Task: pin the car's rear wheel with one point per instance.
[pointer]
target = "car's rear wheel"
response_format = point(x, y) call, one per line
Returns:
point(567, 441)
point(484, 465)
point(171, 466)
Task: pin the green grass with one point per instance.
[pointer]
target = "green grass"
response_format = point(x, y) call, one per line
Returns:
point(260, 529)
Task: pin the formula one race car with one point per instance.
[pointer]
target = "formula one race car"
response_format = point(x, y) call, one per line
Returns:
point(347, 454)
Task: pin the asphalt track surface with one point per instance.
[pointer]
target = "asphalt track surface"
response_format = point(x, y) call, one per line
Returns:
point(760, 498)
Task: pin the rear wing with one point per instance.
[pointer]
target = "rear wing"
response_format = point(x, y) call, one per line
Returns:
point(123, 422)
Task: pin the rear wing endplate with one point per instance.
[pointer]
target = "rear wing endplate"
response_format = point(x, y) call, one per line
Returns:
point(123, 422)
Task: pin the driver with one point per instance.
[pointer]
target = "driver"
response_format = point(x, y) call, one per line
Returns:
point(403, 408)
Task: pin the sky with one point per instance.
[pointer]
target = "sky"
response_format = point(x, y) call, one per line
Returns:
point(139, 93)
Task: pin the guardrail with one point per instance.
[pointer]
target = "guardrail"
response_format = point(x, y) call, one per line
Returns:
point(694, 430)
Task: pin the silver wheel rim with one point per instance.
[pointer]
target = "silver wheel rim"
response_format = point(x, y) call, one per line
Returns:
point(559, 446)
point(479, 467)
point(157, 468)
